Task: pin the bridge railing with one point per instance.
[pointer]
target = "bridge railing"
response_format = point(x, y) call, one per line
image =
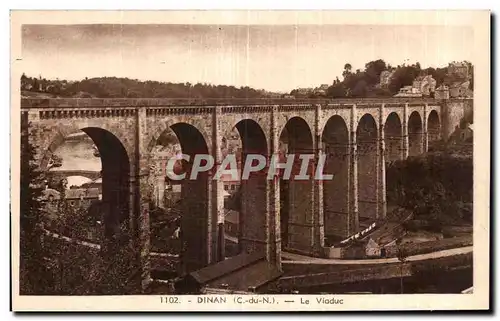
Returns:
point(27, 103)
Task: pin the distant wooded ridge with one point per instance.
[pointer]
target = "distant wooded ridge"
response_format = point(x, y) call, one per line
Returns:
point(360, 83)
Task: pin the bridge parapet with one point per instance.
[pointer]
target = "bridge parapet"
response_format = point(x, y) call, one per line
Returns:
point(134, 125)
point(27, 103)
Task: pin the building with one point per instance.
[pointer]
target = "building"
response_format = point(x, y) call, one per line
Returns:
point(94, 184)
point(459, 70)
point(372, 249)
point(385, 78)
point(460, 90)
point(27, 86)
point(82, 197)
point(231, 222)
point(442, 92)
point(461, 75)
point(231, 185)
point(164, 194)
point(272, 95)
point(303, 91)
point(408, 91)
point(321, 90)
point(425, 84)
point(171, 194)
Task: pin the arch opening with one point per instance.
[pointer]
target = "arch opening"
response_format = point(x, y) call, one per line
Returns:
point(393, 134)
point(179, 215)
point(367, 139)
point(95, 209)
point(115, 180)
point(415, 134)
point(251, 236)
point(296, 195)
point(335, 141)
point(433, 128)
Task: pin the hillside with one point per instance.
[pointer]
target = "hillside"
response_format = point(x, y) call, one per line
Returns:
point(113, 87)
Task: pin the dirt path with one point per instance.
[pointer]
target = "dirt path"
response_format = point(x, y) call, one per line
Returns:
point(302, 259)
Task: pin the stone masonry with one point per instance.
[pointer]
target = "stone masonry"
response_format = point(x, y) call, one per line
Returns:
point(357, 136)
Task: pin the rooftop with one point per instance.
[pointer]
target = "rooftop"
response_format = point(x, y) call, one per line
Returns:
point(78, 193)
point(50, 192)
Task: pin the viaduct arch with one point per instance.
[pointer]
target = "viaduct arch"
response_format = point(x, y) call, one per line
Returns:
point(357, 137)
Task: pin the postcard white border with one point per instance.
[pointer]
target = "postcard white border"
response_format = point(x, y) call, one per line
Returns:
point(479, 20)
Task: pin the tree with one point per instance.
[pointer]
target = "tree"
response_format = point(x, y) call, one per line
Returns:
point(403, 76)
point(435, 186)
point(36, 86)
point(336, 91)
point(24, 81)
point(439, 74)
point(360, 89)
point(85, 271)
point(34, 276)
point(347, 70)
point(373, 69)
point(65, 267)
point(61, 188)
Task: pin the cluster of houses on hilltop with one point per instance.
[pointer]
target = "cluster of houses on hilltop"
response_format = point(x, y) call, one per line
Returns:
point(306, 92)
point(425, 85)
point(87, 197)
point(43, 85)
point(76, 197)
point(422, 86)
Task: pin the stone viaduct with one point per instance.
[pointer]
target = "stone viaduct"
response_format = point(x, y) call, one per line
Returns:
point(358, 136)
point(93, 175)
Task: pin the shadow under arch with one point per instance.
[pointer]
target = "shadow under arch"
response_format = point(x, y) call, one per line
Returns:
point(393, 135)
point(433, 128)
point(115, 171)
point(335, 140)
point(296, 214)
point(367, 139)
point(194, 233)
point(252, 236)
point(415, 134)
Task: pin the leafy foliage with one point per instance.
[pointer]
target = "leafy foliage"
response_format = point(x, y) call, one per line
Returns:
point(164, 224)
point(81, 270)
point(365, 83)
point(403, 76)
point(436, 186)
point(34, 277)
point(113, 87)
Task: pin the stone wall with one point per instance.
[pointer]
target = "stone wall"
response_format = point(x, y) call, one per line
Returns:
point(316, 208)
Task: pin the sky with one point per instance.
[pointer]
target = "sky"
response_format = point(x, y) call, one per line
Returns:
point(275, 58)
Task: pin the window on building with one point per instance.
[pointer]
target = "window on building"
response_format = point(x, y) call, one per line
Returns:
point(226, 187)
point(233, 187)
